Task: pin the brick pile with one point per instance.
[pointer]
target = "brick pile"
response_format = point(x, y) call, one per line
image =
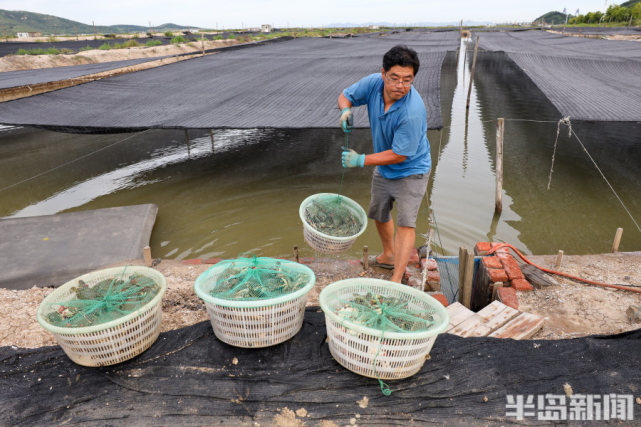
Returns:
point(501, 267)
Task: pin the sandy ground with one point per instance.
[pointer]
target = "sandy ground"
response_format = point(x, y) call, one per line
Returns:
point(29, 62)
point(571, 309)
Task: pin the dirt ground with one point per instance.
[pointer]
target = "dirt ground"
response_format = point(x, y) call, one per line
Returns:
point(30, 62)
point(571, 310)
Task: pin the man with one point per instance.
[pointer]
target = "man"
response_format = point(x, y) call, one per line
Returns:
point(398, 120)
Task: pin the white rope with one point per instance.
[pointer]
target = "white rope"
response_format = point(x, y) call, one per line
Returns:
point(565, 121)
point(71, 161)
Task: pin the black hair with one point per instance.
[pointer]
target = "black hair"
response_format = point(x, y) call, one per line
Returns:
point(401, 55)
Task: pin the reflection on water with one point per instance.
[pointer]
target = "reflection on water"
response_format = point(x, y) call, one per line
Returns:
point(243, 196)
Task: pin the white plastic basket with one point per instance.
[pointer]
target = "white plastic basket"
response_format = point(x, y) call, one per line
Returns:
point(111, 342)
point(324, 242)
point(259, 323)
point(370, 352)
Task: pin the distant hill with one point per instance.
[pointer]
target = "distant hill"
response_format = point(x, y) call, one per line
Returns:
point(13, 21)
point(552, 18)
point(630, 3)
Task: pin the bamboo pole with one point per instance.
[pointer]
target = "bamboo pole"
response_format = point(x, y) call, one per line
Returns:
point(559, 260)
point(365, 257)
point(296, 253)
point(461, 272)
point(211, 135)
point(469, 90)
point(500, 129)
point(469, 275)
point(202, 42)
point(146, 254)
point(187, 141)
point(617, 240)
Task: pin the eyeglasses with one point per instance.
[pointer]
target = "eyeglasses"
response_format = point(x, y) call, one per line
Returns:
point(398, 82)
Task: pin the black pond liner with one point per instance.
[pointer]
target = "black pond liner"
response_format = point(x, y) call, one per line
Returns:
point(43, 75)
point(189, 377)
point(585, 79)
point(292, 84)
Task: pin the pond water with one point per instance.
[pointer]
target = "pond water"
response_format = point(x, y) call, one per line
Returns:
point(243, 195)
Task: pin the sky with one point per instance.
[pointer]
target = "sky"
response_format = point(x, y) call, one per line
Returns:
point(301, 13)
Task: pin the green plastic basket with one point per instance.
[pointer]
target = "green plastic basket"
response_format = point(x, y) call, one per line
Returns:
point(323, 242)
point(371, 352)
point(255, 323)
point(110, 342)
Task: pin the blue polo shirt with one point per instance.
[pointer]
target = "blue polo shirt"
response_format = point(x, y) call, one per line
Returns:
point(403, 129)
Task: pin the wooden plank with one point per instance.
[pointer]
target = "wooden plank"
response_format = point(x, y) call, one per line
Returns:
point(458, 313)
point(521, 327)
point(473, 326)
point(538, 278)
point(497, 314)
point(468, 277)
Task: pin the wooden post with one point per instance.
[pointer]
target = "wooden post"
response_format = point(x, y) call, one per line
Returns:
point(296, 253)
point(617, 240)
point(461, 272)
point(202, 42)
point(500, 128)
point(146, 254)
point(365, 257)
point(211, 135)
point(469, 90)
point(94, 30)
point(559, 260)
point(187, 141)
point(460, 33)
point(495, 289)
point(469, 276)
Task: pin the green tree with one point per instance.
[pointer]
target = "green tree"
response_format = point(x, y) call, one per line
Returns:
point(636, 11)
point(617, 14)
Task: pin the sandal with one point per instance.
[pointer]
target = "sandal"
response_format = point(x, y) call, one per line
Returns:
point(372, 262)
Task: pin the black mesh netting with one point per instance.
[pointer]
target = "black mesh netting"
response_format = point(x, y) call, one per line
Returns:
point(190, 377)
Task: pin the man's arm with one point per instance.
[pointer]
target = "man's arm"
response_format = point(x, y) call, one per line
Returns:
point(343, 102)
point(387, 157)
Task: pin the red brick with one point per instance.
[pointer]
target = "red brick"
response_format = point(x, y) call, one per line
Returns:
point(522, 285)
point(492, 262)
point(440, 298)
point(508, 297)
point(433, 276)
point(482, 248)
point(497, 275)
point(414, 260)
point(513, 271)
point(504, 250)
point(415, 282)
point(212, 260)
point(196, 261)
point(429, 263)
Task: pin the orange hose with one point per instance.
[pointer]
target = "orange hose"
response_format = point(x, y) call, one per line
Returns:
point(559, 273)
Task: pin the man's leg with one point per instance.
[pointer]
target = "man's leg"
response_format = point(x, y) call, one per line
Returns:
point(386, 233)
point(403, 244)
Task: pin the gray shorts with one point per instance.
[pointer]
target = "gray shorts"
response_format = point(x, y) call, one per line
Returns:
point(407, 192)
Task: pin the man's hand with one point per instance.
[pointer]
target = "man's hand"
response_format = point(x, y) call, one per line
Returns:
point(347, 120)
point(352, 159)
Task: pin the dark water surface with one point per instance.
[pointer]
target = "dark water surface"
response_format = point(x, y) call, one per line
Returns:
point(244, 195)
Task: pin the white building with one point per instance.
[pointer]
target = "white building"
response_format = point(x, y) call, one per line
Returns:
point(266, 28)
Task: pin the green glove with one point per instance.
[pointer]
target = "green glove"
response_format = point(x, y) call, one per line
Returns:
point(352, 159)
point(347, 120)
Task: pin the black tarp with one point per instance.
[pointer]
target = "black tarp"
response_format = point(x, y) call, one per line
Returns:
point(586, 79)
point(42, 75)
point(189, 377)
point(291, 84)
